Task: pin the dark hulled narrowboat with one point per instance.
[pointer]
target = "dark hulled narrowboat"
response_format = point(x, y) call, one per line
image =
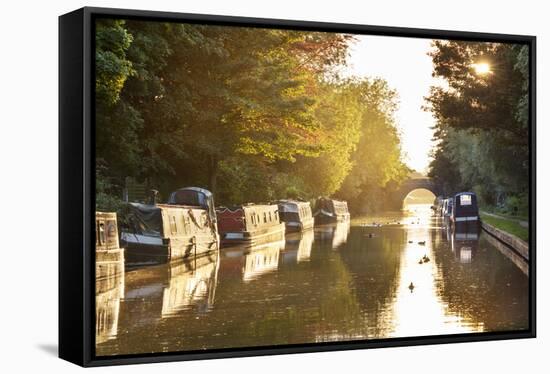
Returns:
point(296, 215)
point(329, 211)
point(249, 224)
point(185, 226)
point(465, 210)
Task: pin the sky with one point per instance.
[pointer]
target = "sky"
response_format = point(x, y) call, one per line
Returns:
point(405, 65)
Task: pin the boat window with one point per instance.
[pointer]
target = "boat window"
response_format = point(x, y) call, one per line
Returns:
point(270, 219)
point(465, 200)
point(173, 227)
point(101, 233)
point(265, 217)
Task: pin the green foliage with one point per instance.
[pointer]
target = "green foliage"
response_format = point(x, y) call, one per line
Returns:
point(112, 66)
point(106, 199)
point(252, 114)
point(508, 225)
point(482, 120)
point(377, 164)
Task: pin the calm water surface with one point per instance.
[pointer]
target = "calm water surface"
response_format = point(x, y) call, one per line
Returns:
point(339, 282)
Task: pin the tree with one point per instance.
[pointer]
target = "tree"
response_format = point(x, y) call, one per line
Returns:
point(377, 163)
point(481, 119)
point(252, 114)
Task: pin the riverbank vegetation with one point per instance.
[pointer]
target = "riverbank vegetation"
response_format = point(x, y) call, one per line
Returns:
point(508, 225)
point(251, 114)
point(481, 112)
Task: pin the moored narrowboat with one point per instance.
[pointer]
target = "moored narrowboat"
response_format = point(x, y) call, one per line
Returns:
point(447, 208)
point(249, 224)
point(465, 210)
point(109, 257)
point(329, 211)
point(184, 227)
point(296, 215)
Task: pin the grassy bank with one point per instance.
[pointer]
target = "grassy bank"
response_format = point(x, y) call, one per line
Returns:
point(510, 226)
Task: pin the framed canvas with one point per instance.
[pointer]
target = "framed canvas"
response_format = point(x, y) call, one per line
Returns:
point(236, 186)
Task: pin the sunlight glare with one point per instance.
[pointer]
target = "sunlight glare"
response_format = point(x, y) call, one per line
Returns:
point(482, 68)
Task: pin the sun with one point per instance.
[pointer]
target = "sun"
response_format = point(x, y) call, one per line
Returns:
point(482, 68)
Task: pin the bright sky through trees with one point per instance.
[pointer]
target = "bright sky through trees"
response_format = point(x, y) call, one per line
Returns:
point(405, 65)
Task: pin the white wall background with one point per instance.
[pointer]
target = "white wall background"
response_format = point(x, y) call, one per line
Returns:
point(28, 184)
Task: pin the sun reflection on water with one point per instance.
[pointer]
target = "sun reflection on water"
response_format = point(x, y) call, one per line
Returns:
point(417, 308)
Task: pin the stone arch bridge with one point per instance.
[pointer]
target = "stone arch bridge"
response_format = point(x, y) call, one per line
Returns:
point(396, 199)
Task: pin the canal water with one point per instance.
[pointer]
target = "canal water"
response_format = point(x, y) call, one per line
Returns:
point(362, 280)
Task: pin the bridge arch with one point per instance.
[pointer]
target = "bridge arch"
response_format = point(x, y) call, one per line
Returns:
point(418, 196)
point(410, 185)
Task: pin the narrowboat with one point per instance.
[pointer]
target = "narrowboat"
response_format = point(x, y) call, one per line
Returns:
point(296, 215)
point(184, 227)
point(109, 279)
point(443, 207)
point(109, 257)
point(465, 210)
point(447, 208)
point(329, 211)
point(249, 225)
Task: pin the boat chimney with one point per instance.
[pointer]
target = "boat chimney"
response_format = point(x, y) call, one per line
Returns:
point(153, 195)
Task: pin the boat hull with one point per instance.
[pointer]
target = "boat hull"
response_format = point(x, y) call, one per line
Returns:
point(146, 249)
point(304, 225)
point(323, 218)
point(252, 238)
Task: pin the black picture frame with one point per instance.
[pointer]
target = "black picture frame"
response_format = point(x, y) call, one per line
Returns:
point(77, 194)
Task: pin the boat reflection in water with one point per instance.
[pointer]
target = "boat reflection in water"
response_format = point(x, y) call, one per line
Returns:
point(336, 234)
point(109, 275)
point(109, 291)
point(305, 245)
point(265, 295)
point(261, 260)
point(464, 243)
point(298, 247)
point(192, 284)
point(141, 298)
point(249, 263)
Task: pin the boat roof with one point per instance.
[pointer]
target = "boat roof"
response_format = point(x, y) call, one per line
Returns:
point(465, 193)
point(196, 189)
point(295, 202)
point(330, 198)
point(234, 208)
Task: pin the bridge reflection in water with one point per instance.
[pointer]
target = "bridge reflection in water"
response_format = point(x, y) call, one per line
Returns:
point(337, 282)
